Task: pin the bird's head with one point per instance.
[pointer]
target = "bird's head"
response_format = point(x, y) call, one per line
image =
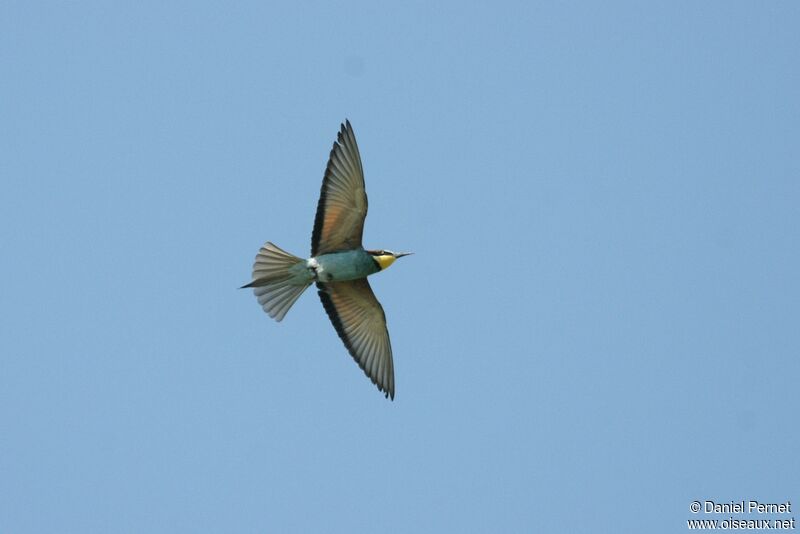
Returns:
point(384, 258)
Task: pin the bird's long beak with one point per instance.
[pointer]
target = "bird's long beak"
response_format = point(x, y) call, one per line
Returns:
point(401, 254)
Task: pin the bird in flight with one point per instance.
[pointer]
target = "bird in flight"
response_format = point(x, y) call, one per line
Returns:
point(339, 265)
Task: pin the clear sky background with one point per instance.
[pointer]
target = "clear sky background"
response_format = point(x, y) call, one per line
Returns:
point(600, 323)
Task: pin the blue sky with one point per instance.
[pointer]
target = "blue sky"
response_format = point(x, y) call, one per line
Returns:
point(599, 325)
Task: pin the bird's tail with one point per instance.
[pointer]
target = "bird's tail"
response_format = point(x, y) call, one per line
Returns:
point(279, 278)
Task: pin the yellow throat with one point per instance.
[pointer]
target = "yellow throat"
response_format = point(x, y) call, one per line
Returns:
point(385, 260)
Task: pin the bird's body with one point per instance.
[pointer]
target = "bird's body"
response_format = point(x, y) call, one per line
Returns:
point(339, 265)
point(343, 266)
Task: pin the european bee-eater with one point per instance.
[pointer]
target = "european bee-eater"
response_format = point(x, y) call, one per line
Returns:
point(338, 264)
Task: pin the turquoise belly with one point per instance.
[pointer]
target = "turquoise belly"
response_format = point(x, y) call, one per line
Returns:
point(348, 265)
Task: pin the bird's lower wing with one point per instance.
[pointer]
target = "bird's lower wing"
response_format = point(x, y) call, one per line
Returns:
point(359, 320)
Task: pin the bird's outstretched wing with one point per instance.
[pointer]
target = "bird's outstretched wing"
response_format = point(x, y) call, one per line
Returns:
point(359, 320)
point(342, 205)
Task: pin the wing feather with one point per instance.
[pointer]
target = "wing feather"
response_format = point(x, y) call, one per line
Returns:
point(342, 206)
point(360, 322)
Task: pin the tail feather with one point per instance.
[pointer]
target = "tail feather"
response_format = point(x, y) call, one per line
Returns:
point(275, 283)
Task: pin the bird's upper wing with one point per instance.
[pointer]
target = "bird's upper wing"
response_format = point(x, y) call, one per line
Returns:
point(359, 320)
point(342, 205)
